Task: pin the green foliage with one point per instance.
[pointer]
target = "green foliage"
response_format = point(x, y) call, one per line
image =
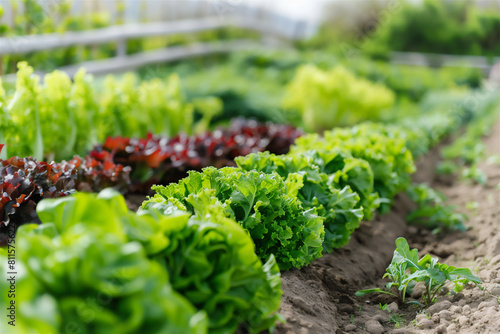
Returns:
point(413, 83)
point(58, 118)
point(329, 193)
point(383, 148)
point(447, 167)
point(432, 212)
point(211, 261)
point(101, 280)
point(153, 105)
point(406, 270)
point(325, 99)
point(264, 204)
point(137, 266)
point(252, 84)
point(249, 92)
point(463, 29)
point(468, 149)
point(474, 174)
point(24, 110)
point(442, 113)
point(35, 310)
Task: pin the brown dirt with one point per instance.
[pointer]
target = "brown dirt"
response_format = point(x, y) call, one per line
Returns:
point(320, 298)
point(134, 201)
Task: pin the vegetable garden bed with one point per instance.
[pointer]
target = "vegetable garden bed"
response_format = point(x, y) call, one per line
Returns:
point(208, 251)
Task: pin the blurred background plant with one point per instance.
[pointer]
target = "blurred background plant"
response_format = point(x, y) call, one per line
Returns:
point(342, 75)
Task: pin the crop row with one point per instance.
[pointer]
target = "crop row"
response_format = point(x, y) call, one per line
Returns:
point(204, 254)
point(158, 160)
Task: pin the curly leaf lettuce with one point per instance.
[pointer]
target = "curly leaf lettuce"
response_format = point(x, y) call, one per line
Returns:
point(211, 260)
point(338, 204)
point(276, 221)
point(385, 151)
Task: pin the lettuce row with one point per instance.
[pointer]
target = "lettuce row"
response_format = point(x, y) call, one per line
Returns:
point(389, 158)
point(300, 204)
point(25, 181)
point(95, 266)
point(263, 204)
point(162, 160)
point(330, 194)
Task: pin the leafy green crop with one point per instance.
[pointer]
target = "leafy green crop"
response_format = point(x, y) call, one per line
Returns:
point(344, 170)
point(464, 29)
point(339, 205)
point(24, 110)
point(336, 97)
point(431, 211)
point(406, 269)
point(468, 150)
point(211, 261)
point(102, 268)
point(101, 281)
point(387, 154)
point(266, 206)
point(35, 310)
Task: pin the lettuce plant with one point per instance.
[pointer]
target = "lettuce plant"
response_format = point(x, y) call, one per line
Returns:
point(59, 118)
point(431, 211)
point(389, 158)
point(26, 181)
point(338, 205)
point(99, 279)
point(160, 270)
point(264, 204)
point(211, 261)
point(336, 97)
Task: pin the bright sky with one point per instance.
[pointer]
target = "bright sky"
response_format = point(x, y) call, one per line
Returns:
point(303, 9)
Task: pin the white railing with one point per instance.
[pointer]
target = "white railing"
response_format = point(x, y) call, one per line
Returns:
point(272, 28)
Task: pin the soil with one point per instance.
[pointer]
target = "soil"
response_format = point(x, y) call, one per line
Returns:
point(134, 201)
point(320, 298)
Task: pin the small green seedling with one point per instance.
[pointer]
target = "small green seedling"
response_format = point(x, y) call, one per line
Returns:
point(447, 167)
point(406, 270)
point(472, 206)
point(475, 174)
